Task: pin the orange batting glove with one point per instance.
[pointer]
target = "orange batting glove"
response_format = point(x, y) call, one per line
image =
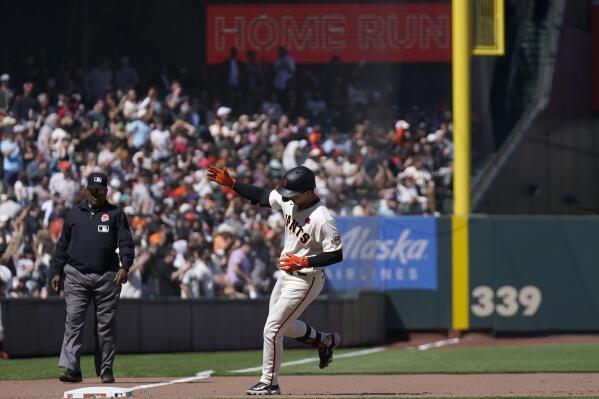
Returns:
point(293, 262)
point(220, 176)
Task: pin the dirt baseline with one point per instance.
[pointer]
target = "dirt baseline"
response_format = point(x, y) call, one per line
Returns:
point(425, 385)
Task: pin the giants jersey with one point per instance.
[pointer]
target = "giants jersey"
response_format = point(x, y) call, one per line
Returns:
point(309, 231)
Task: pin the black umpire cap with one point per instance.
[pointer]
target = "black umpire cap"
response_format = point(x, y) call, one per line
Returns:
point(97, 180)
point(296, 181)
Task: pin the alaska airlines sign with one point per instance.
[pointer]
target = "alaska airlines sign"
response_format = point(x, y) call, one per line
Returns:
point(386, 253)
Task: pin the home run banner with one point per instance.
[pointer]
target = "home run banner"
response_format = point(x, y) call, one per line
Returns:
point(386, 253)
point(356, 32)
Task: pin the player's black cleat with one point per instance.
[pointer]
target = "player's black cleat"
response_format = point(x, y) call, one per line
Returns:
point(325, 353)
point(107, 377)
point(70, 376)
point(264, 389)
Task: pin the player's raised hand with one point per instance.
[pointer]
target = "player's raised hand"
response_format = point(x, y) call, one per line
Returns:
point(220, 176)
point(292, 262)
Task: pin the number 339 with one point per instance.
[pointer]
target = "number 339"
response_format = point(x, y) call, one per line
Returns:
point(529, 297)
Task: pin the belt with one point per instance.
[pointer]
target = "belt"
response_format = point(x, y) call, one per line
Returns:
point(297, 273)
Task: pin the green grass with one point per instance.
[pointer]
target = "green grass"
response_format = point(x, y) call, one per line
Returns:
point(505, 359)
point(500, 359)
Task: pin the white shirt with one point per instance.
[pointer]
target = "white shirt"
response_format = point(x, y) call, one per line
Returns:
point(405, 195)
point(104, 158)
point(43, 139)
point(133, 287)
point(22, 192)
point(64, 186)
point(421, 176)
point(199, 275)
point(161, 140)
point(129, 109)
point(309, 231)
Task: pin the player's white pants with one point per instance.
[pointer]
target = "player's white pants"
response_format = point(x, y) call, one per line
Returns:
point(290, 297)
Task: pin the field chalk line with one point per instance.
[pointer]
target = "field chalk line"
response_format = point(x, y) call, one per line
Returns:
point(422, 347)
point(314, 359)
point(202, 375)
point(436, 344)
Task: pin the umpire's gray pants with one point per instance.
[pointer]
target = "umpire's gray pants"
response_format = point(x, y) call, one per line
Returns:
point(80, 289)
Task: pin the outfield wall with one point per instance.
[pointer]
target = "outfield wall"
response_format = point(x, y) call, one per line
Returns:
point(534, 273)
point(527, 274)
point(35, 327)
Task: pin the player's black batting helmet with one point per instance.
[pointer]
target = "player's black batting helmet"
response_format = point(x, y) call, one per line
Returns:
point(296, 181)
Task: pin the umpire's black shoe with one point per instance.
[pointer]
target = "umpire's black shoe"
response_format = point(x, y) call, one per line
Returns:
point(70, 376)
point(107, 377)
point(325, 353)
point(264, 389)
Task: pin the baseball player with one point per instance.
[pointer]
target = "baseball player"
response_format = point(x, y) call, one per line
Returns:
point(312, 241)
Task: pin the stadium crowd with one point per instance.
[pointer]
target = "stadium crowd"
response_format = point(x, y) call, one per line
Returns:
point(156, 140)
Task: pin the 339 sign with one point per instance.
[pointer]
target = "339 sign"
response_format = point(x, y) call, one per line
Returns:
point(506, 301)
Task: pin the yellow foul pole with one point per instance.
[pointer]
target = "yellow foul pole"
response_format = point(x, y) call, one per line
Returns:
point(460, 31)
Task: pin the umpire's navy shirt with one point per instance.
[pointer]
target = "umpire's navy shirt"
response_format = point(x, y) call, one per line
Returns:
point(90, 238)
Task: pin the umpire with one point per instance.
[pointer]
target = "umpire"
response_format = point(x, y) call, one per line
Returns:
point(85, 256)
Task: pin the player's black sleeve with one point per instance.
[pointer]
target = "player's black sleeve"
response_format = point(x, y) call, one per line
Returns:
point(257, 195)
point(325, 258)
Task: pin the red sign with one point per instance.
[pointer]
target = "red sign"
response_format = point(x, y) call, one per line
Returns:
point(316, 32)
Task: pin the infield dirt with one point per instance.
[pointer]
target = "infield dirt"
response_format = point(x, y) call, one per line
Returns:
point(429, 385)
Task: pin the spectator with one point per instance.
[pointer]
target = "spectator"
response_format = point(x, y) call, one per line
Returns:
point(62, 183)
point(45, 133)
point(126, 76)
point(363, 208)
point(198, 281)
point(255, 81)
point(262, 267)
point(133, 287)
point(60, 139)
point(6, 93)
point(98, 81)
point(238, 271)
point(161, 141)
point(284, 72)
point(409, 198)
point(233, 71)
point(174, 99)
point(11, 151)
point(129, 104)
point(139, 132)
point(24, 104)
point(167, 284)
point(6, 280)
point(108, 158)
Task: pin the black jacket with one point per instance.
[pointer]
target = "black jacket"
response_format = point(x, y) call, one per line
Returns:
point(90, 238)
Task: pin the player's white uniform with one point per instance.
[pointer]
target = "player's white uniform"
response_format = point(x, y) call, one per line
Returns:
point(308, 232)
